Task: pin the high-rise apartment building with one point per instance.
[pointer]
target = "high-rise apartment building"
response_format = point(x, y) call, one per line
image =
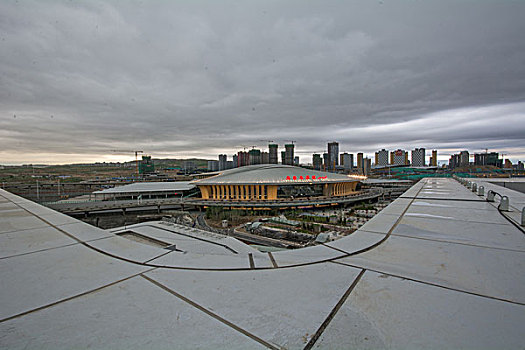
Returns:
point(296, 160)
point(188, 167)
point(317, 161)
point(223, 160)
point(491, 158)
point(146, 165)
point(265, 158)
point(213, 165)
point(243, 158)
point(326, 161)
point(433, 158)
point(273, 148)
point(360, 163)
point(418, 157)
point(367, 165)
point(464, 158)
point(333, 155)
point(381, 158)
point(453, 162)
point(459, 160)
point(289, 156)
point(347, 161)
point(400, 157)
point(283, 157)
point(254, 156)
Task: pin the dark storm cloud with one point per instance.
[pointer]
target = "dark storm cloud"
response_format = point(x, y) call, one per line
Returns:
point(196, 78)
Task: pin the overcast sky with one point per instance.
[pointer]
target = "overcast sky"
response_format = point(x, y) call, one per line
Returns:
point(198, 78)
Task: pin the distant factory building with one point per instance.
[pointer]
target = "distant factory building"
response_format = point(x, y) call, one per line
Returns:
point(381, 158)
point(418, 157)
point(400, 157)
point(317, 161)
point(433, 158)
point(273, 148)
point(333, 155)
point(289, 154)
point(223, 158)
point(347, 161)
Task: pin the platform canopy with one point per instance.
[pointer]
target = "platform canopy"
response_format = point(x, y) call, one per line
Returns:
point(148, 187)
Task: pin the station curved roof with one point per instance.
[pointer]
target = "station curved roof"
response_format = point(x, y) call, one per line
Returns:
point(272, 174)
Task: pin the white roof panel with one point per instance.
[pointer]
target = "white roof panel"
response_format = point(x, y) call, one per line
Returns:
point(438, 268)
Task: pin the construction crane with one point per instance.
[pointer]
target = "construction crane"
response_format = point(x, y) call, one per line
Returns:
point(136, 157)
point(269, 141)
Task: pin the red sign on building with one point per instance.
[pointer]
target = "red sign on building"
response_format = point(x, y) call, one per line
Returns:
point(307, 177)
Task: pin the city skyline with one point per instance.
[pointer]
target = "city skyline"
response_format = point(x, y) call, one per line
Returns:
point(194, 80)
point(221, 159)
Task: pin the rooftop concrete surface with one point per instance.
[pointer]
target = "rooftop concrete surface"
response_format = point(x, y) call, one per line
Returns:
point(438, 268)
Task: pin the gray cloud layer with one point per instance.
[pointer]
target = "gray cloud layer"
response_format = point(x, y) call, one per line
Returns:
point(195, 78)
